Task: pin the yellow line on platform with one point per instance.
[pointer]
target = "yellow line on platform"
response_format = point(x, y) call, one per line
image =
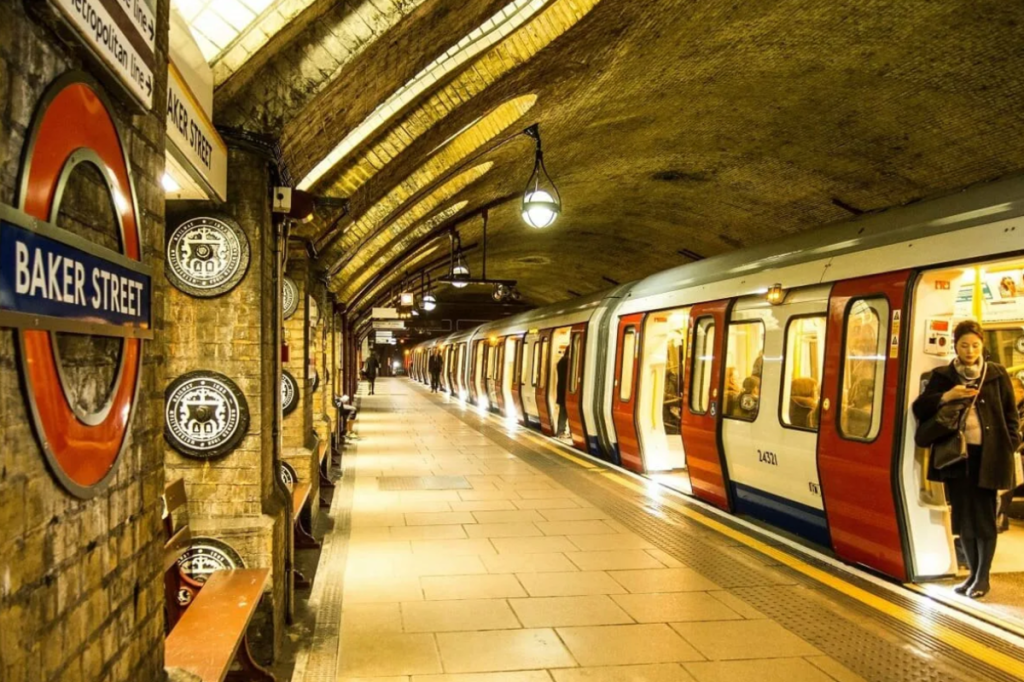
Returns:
point(922, 622)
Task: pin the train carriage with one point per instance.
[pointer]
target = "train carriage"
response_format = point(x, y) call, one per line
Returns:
point(775, 382)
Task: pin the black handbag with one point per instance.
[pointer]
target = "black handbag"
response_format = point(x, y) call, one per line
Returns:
point(945, 452)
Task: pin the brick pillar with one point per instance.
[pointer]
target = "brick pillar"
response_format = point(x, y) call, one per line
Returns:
point(298, 444)
point(236, 497)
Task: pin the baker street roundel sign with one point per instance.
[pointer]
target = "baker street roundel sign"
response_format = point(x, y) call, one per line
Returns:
point(205, 415)
point(207, 256)
point(54, 281)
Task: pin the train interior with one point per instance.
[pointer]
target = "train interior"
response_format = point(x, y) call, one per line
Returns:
point(491, 378)
point(993, 293)
point(560, 346)
point(659, 406)
point(528, 379)
point(479, 378)
point(508, 377)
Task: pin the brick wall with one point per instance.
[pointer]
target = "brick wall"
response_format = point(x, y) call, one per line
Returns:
point(80, 585)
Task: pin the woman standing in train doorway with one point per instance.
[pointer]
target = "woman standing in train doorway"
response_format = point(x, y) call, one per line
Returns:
point(992, 435)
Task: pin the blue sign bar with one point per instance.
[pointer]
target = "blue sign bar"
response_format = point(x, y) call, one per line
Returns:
point(49, 277)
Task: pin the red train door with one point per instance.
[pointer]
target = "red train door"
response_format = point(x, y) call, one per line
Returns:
point(542, 382)
point(702, 414)
point(499, 375)
point(624, 401)
point(574, 386)
point(859, 417)
point(517, 379)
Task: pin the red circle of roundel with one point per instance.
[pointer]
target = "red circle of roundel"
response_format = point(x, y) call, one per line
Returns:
point(73, 115)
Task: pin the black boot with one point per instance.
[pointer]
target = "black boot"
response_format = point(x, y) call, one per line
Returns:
point(970, 547)
point(986, 553)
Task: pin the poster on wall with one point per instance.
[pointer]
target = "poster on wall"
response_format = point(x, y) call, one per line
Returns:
point(1002, 297)
point(54, 281)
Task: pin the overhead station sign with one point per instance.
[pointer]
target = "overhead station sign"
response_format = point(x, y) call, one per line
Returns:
point(122, 35)
point(194, 140)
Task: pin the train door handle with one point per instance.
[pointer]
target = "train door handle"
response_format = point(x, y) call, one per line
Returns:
point(825, 405)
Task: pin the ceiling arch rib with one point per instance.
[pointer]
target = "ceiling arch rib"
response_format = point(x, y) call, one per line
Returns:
point(518, 47)
point(483, 36)
point(358, 235)
point(394, 248)
point(423, 208)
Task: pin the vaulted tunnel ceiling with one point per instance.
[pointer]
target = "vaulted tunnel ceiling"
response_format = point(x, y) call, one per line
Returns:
point(672, 129)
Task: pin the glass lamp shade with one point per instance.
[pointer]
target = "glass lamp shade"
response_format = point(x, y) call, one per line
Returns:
point(540, 209)
point(459, 272)
point(429, 302)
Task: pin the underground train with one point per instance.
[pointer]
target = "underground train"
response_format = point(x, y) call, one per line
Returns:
point(775, 382)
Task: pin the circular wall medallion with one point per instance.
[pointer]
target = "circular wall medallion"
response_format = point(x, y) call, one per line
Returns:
point(1019, 344)
point(206, 555)
point(289, 392)
point(288, 475)
point(289, 297)
point(73, 124)
point(205, 414)
point(207, 256)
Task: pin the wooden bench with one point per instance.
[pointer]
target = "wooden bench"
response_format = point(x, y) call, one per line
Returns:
point(208, 634)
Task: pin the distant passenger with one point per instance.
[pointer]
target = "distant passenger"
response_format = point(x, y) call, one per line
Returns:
point(749, 399)
point(434, 365)
point(803, 403)
point(372, 367)
point(977, 395)
point(562, 376)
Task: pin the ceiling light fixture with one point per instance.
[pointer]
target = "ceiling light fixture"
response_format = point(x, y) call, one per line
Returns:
point(542, 203)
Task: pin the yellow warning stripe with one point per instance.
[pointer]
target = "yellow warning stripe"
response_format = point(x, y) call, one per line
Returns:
point(921, 622)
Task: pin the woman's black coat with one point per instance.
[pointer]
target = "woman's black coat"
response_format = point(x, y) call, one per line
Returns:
point(997, 412)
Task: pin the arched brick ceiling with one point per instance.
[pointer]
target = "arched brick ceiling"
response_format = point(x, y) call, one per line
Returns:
point(670, 127)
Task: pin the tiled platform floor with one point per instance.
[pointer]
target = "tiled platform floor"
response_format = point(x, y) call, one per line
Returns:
point(519, 580)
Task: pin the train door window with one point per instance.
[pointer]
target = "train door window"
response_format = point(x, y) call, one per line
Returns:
point(626, 369)
point(865, 350)
point(743, 363)
point(545, 348)
point(574, 362)
point(703, 358)
point(801, 379)
point(535, 373)
point(517, 360)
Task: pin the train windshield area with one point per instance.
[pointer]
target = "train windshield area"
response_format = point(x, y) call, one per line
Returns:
point(659, 410)
point(993, 294)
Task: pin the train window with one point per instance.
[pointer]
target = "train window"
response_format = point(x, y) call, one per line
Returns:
point(743, 361)
point(536, 363)
point(626, 369)
point(574, 362)
point(801, 378)
point(545, 347)
point(703, 358)
point(864, 354)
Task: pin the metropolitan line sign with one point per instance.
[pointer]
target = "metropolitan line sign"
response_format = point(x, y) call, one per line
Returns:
point(122, 35)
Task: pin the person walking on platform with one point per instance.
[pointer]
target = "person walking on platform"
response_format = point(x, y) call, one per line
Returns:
point(976, 395)
point(562, 375)
point(372, 367)
point(434, 365)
